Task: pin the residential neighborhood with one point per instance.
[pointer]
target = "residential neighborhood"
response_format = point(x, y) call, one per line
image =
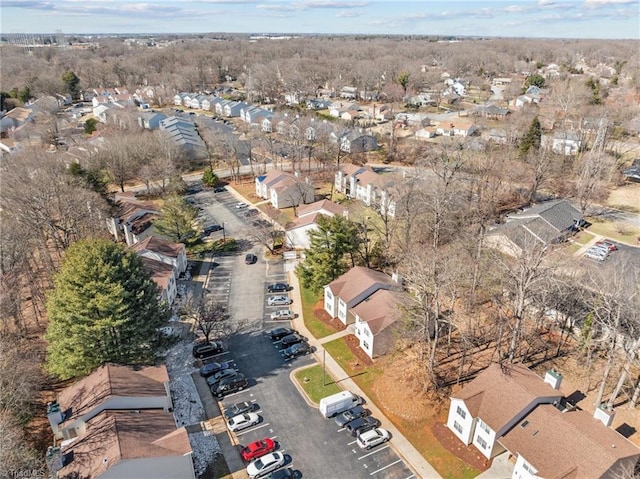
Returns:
point(364, 256)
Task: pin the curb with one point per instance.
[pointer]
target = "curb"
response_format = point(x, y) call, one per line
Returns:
point(299, 387)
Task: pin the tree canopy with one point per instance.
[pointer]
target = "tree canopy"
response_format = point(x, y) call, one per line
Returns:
point(177, 220)
point(104, 308)
point(326, 258)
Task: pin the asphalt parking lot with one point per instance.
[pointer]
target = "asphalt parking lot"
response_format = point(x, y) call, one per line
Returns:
point(315, 446)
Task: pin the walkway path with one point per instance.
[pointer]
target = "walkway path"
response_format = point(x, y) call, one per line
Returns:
point(400, 444)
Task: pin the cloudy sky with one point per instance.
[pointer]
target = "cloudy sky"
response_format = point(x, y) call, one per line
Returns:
point(512, 18)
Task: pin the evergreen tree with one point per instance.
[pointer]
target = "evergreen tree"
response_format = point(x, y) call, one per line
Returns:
point(326, 258)
point(90, 126)
point(178, 220)
point(534, 80)
point(532, 138)
point(72, 83)
point(104, 308)
point(209, 178)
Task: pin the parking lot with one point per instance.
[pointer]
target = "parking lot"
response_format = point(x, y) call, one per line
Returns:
point(315, 446)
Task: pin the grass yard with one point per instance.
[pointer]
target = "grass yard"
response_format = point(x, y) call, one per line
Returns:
point(315, 383)
point(363, 376)
point(615, 230)
point(313, 324)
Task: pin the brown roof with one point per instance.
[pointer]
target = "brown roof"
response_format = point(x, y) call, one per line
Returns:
point(19, 114)
point(349, 168)
point(499, 394)
point(112, 380)
point(114, 436)
point(567, 444)
point(159, 245)
point(160, 272)
point(129, 207)
point(358, 279)
point(325, 205)
point(380, 310)
point(306, 220)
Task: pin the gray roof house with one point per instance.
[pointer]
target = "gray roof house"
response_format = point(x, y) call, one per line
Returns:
point(358, 142)
point(544, 224)
point(150, 120)
point(566, 143)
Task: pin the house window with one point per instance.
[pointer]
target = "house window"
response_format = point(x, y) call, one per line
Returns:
point(457, 427)
point(461, 412)
point(481, 442)
point(366, 346)
point(483, 426)
point(366, 332)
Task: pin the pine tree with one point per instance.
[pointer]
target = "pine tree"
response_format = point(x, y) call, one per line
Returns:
point(177, 220)
point(532, 138)
point(104, 308)
point(326, 258)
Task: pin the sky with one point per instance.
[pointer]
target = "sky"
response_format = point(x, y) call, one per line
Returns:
point(606, 19)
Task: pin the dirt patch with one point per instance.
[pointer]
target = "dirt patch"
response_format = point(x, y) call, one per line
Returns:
point(324, 317)
point(451, 443)
point(362, 360)
point(625, 197)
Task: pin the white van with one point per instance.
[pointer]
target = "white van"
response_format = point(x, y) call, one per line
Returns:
point(337, 403)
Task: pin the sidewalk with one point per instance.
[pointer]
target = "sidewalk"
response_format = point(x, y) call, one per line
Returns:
point(399, 443)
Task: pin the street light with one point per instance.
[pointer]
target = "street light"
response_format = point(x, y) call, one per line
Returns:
point(224, 236)
point(324, 367)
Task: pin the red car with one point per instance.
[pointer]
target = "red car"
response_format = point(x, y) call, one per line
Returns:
point(607, 244)
point(257, 449)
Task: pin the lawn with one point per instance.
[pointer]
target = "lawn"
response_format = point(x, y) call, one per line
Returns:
point(313, 324)
point(316, 384)
point(615, 230)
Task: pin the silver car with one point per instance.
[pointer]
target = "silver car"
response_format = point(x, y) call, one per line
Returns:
point(278, 301)
point(283, 314)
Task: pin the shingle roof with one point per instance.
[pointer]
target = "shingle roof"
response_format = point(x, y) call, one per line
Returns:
point(558, 213)
point(160, 272)
point(114, 436)
point(380, 310)
point(358, 279)
point(159, 245)
point(325, 205)
point(112, 380)
point(567, 444)
point(499, 394)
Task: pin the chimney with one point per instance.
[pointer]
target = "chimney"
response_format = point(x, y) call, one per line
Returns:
point(554, 378)
point(604, 415)
point(55, 416)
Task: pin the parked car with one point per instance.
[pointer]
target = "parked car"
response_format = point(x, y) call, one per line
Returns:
point(243, 421)
point(265, 464)
point(279, 333)
point(598, 255)
point(298, 349)
point(362, 424)
point(250, 258)
point(206, 350)
point(220, 375)
point(602, 248)
point(282, 314)
point(219, 189)
point(278, 300)
point(250, 213)
point(211, 229)
point(212, 368)
point(257, 449)
point(282, 474)
point(290, 340)
point(230, 385)
point(278, 288)
point(241, 205)
point(238, 408)
point(369, 439)
point(607, 244)
point(351, 414)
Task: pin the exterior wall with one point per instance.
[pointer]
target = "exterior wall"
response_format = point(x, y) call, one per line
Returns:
point(365, 193)
point(299, 237)
point(171, 290)
point(484, 438)
point(461, 425)
point(162, 258)
point(342, 311)
point(523, 470)
point(167, 467)
point(329, 302)
point(364, 335)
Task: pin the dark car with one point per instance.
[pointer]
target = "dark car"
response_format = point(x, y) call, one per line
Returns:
point(220, 375)
point(219, 189)
point(282, 474)
point(280, 333)
point(212, 368)
point(362, 424)
point(350, 415)
point(206, 350)
point(291, 339)
point(250, 258)
point(230, 385)
point(250, 213)
point(212, 229)
point(298, 349)
point(238, 408)
point(278, 288)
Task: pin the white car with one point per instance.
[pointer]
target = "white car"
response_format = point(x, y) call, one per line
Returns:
point(283, 314)
point(278, 301)
point(372, 438)
point(596, 254)
point(242, 421)
point(265, 464)
point(241, 205)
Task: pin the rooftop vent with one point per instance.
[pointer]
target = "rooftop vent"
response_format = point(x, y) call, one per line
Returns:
point(524, 424)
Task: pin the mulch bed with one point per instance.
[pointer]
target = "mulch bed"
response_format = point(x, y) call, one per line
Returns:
point(468, 454)
point(323, 316)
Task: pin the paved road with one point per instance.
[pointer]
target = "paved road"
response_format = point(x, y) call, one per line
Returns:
point(313, 445)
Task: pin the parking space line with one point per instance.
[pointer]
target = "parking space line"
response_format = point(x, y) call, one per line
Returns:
point(351, 443)
point(374, 451)
point(251, 429)
point(342, 429)
point(411, 476)
point(385, 467)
